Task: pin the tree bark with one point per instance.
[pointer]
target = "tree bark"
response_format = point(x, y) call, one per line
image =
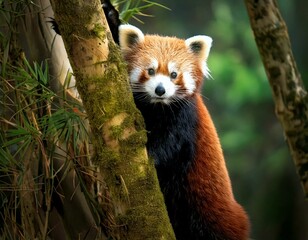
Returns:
point(134, 206)
point(289, 93)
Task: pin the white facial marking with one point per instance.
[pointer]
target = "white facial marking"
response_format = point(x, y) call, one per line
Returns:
point(172, 67)
point(154, 63)
point(168, 85)
point(135, 75)
point(189, 82)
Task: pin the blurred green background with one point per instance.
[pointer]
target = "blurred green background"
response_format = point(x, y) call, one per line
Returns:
point(239, 98)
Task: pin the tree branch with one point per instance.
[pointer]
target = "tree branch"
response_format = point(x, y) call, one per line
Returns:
point(289, 93)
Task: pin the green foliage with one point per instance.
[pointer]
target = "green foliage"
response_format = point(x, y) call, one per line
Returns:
point(134, 8)
point(32, 124)
point(241, 84)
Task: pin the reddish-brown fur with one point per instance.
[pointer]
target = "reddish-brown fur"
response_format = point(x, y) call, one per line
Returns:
point(209, 182)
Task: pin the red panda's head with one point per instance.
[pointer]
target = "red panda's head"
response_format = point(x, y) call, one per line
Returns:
point(164, 69)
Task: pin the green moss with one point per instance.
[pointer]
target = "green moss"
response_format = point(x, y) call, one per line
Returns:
point(116, 132)
point(66, 17)
point(130, 146)
point(136, 216)
point(99, 31)
point(138, 139)
point(108, 158)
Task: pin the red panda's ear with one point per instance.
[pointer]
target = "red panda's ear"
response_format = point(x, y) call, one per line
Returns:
point(199, 45)
point(129, 36)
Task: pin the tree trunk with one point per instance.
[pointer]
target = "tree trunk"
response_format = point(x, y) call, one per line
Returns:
point(130, 195)
point(289, 93)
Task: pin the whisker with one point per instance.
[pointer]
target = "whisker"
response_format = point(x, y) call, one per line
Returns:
point(181, 101)
point(141, 96)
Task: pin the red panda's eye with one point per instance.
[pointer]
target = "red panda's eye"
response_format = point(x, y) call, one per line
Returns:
point(173, 75)
point(151, 71)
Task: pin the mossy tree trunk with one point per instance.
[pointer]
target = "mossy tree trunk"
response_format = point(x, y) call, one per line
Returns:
point(130, 198)
point(289, 93)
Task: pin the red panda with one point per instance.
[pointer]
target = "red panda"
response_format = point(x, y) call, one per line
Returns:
point(166, 74)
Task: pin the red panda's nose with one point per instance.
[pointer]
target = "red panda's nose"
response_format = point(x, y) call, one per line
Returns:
point(160, 90)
